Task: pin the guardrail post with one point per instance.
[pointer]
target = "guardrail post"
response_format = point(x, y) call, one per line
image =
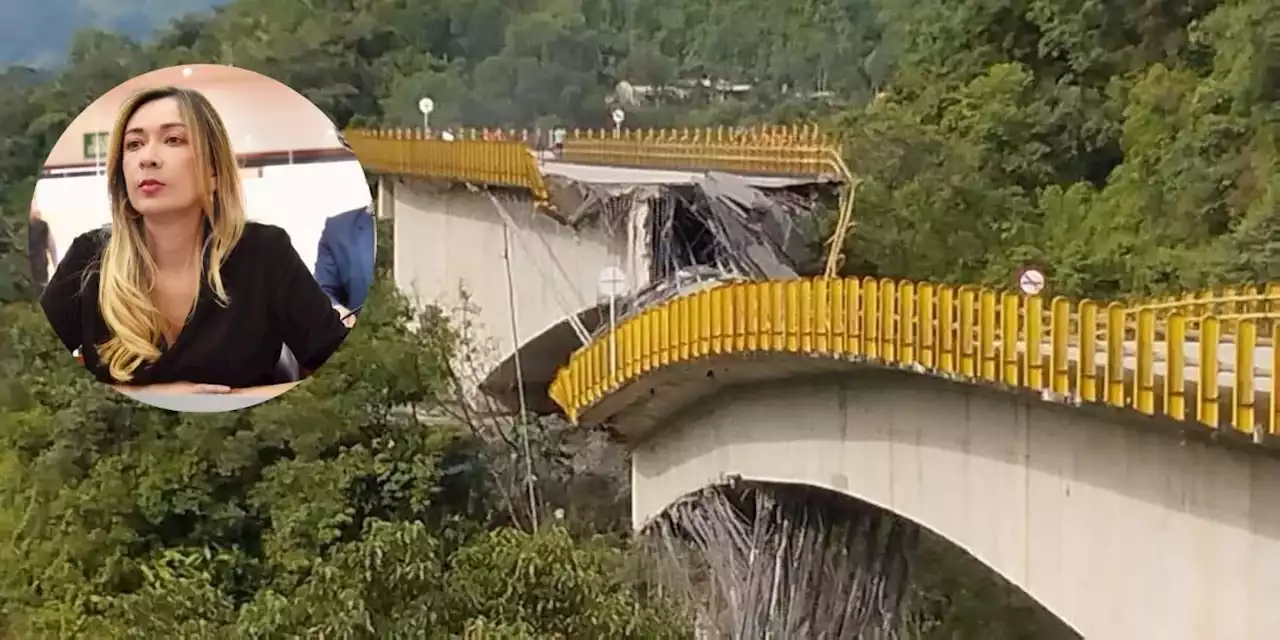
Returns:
point(1242, 417)
point(1207, 403)
point(1145, 375)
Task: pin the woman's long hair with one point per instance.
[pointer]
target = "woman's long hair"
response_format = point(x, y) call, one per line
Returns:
point(127, 271)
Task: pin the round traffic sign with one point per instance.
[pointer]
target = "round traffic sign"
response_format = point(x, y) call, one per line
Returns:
point(618, 116)
point(426, 106)
point(1031, 281)
point(611, 282)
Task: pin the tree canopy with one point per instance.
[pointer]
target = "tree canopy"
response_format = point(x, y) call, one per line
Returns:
point(1130, 148)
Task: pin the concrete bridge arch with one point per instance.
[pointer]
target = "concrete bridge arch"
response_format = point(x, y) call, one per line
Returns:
point(1121, 531)
point(830, 564)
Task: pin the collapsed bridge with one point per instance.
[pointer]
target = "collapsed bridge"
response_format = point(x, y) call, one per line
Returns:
point(1109, 459)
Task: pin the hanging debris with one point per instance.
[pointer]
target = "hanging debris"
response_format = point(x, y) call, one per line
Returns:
point(714, 229)
point(777, 562)
point(677, 239)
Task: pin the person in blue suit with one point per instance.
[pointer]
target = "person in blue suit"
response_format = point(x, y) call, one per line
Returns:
point(344, 261)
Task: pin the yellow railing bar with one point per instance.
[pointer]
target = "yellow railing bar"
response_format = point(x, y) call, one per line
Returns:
point(732, 157)
point(966, 332)
point(420, 153)
point(491, 154)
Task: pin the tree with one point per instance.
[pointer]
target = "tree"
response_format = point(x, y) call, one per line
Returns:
point(333, 510)
point(1130, 147)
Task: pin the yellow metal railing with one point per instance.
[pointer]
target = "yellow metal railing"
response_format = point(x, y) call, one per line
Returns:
point(506, 162)
point(491, 156)
point(1080, 349)
point(1237, 302)
point(796, 151)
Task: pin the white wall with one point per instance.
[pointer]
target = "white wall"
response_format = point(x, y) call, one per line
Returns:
point(300, 197)
point(296, 197)
point(72, 206)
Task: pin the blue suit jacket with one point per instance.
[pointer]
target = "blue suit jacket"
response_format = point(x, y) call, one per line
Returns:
point(344, 261)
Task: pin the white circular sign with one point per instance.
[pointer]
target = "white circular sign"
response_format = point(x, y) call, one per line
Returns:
point(1031, 282)
point(618, 116)
point(426, 105)
point(612, 282)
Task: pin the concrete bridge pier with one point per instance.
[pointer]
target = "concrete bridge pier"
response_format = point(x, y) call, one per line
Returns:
point(505, 271)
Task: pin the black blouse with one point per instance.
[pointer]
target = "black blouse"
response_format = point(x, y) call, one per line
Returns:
point(275, 301)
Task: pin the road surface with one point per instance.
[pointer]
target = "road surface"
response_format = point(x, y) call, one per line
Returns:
point(1262, 359)
point(601, 174)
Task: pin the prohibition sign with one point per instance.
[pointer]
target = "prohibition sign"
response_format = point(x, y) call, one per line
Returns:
point(1031, 281)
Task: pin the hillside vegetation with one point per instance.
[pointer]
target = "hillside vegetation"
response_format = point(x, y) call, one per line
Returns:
point(1130, 147)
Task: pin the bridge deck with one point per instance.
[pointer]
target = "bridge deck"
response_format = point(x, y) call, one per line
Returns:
point(601, 174)
point(1226, 353)
point(858, 321)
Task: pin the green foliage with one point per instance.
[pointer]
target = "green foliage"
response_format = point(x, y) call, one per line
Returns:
point(325, 513)
point(952, 597)
point(559, 587)
point(1131, 148)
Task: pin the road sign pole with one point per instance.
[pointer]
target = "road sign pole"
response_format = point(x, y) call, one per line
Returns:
point(425, 107)
point(618, 116)
point(613, 333)
point(610, 283)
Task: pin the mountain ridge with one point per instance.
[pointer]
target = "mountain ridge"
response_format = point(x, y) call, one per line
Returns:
point(38, 34)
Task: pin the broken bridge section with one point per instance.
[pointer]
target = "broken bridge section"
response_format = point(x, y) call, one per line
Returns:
point(697, 232)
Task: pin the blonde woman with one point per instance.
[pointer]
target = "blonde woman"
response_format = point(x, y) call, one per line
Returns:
point(181, 292)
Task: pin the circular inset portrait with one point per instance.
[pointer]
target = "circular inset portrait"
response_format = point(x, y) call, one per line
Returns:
point(203, 238)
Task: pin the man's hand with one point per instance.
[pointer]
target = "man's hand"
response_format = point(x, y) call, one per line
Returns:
point(345, 314)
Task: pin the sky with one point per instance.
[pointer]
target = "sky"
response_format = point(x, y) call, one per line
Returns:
point(39, 32)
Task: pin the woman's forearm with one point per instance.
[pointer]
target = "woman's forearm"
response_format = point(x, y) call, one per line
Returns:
point(266, 390)
point(195, 388)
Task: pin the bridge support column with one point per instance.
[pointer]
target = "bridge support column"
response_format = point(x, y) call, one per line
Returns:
point(638, 250)
point(386, 198)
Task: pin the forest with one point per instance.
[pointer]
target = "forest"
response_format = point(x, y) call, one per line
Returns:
point(1131, 148)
